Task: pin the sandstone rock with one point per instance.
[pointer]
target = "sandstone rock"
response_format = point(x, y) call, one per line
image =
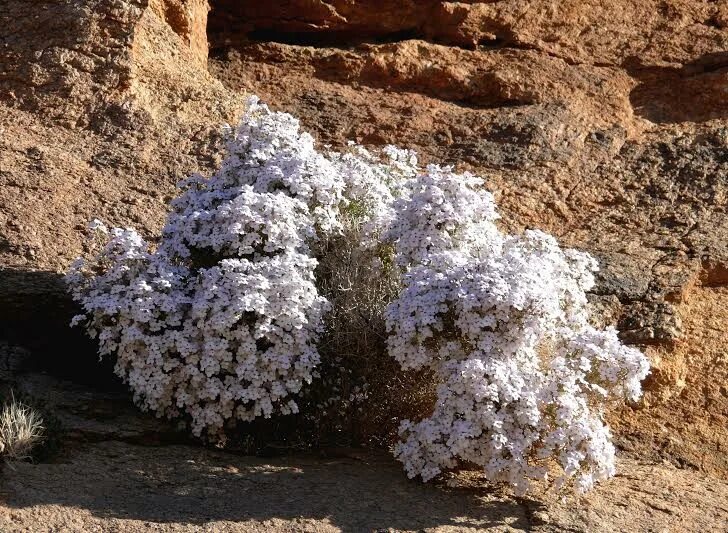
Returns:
point(188, 19)
point(123, 487)
point(604, 123)
point(596, 32)
point(92, 415)
point(104, 109)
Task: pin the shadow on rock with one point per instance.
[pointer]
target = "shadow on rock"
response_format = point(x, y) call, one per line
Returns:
point(693, 93)
point(35, 313)
point(57, 368)
point(181, 484)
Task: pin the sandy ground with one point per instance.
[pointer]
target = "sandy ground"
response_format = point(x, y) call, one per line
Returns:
point(114, 486)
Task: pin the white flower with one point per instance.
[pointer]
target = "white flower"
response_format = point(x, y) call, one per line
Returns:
point(503, 320)
point(221, 320)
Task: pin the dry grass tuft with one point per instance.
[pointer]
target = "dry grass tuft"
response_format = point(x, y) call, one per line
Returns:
point(21, 429)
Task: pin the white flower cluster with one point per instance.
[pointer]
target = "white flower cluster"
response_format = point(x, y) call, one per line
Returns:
point(503, 320)
point(371, 187)
point(221, 321)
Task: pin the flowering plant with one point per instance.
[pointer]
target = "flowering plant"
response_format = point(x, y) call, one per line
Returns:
point(285, 245)
point(503, 320)
point(220, 322)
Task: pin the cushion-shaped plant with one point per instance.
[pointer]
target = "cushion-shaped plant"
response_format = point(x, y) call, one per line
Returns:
point(503, 320)
point(222, 320)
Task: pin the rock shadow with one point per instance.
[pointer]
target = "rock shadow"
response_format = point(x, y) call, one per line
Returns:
point(696, 92)
point(193, 486)
point(35, 313)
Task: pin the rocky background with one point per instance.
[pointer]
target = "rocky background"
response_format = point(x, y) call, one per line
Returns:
point(602, 122)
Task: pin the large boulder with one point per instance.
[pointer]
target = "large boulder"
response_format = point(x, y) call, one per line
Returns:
point(605, 123)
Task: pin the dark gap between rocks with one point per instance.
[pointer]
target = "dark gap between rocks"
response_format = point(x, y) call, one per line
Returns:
point(35, 314)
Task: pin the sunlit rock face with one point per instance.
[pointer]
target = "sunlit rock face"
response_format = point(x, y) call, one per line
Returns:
point(604, 124)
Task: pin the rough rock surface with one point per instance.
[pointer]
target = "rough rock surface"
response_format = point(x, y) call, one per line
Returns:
point(605, 123)
point(104, 109)
point(611, 135)
point(113, 486)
